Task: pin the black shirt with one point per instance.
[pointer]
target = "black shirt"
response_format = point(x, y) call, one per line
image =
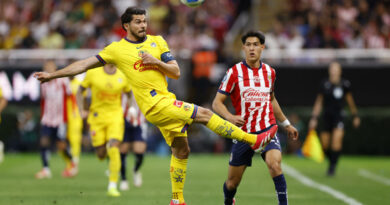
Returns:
point(334, 96)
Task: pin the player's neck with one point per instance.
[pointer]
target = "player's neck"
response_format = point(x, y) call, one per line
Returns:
point(134, 39)
point(253, 64)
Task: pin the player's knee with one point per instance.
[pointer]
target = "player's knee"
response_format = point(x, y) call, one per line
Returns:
point(274, 166)
point(232, 183)
point(183, 153)
point(113, 143)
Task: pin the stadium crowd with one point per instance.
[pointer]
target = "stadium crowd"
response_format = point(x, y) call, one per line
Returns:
point(331, 24)
point(94, 24)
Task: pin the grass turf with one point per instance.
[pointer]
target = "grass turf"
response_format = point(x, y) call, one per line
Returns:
point(205, 176)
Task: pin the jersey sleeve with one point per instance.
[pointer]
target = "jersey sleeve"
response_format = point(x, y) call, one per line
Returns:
point(228, 82)
point(86, 83)
point(107, 54)
point(346, 86)
point(166, 55)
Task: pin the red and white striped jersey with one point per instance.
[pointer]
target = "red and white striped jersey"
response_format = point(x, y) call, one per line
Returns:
point(134, 116)
point(250, 90)
point(53, 102)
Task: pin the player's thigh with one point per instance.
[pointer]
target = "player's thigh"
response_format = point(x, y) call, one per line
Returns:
point(97, 131)
point(115, 130)
point(139, 147)
point(337, 138)
point(172, 115)
point(325, 139)
point(273, 159)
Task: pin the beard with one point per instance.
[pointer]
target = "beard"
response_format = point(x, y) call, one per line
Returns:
point(138, 36)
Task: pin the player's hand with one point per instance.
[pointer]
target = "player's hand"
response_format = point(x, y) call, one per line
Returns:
point(236, 120)
point(292, 132)
point(42, 76)
point(313, 123)
point(149, 59)
point(356, 122)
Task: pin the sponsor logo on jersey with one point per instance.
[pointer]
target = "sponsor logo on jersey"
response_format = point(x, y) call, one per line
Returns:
point(140, 66)
point(254, 95)
point(178, 103)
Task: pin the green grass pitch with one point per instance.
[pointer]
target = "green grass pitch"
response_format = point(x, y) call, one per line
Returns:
point(205, 176)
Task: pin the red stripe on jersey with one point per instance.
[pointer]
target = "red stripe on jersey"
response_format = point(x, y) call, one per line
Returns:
point(262, 121)
point(256, 76)
point(246, 76)
point(246, 116)
point(232, 80)
point(254, 117)
point(265, 75)
point(271, 114)
point(273, 76)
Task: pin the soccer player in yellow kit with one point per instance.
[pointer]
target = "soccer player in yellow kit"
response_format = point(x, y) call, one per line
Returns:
point(105, 116)
point(75, 123)
point(146, 61)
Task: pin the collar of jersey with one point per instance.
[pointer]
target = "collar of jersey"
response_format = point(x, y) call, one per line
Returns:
point(136, 42)
point(244, 62)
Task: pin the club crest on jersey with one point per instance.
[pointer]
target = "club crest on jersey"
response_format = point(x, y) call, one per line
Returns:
point(187, 107)
point(141, 52)
point(153, 44)
point(178, 103)
point(256, 79)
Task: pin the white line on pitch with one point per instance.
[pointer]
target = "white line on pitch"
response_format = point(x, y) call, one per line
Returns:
point(310, 183)
point(377, 178)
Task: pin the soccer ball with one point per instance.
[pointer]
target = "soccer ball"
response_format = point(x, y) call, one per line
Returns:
point(192, 3)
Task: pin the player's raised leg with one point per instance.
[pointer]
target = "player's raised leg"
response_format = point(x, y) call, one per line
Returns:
point(226, 129)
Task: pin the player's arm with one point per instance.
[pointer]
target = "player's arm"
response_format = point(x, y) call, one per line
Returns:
point(3, 103)
point(220, 108)
point(81, 102)
point(352, 107)
point(75, 68)
point(317, 108)
point(170, 68)
point(292, 132)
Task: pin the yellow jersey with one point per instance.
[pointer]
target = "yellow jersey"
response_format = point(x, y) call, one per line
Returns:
point(106, 94)
point(72, 108)
point(148, 83)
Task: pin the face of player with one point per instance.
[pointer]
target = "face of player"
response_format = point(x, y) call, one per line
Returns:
point(49, 66)
point(137, 27)
point(253, 49)
point(334, 73)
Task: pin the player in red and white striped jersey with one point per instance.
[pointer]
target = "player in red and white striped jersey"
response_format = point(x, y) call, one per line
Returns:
point(53, 122)
point(250, 85)
point(134, 139)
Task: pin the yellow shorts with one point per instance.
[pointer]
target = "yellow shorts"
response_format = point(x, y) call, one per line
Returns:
point(102, 132)
point(172, 117)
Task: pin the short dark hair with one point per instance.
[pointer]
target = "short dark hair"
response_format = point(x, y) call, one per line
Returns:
point(128, 15)
point(252, 33)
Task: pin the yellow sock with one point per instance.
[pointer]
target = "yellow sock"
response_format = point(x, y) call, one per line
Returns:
point(67, 160)
point(178, 177)
point(75, 146)
point(114, 163)
point(226, 129)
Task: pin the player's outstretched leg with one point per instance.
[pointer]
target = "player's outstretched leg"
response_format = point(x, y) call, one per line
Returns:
point(226, 129)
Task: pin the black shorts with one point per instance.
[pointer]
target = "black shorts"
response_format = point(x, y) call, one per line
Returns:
point(242, 153)
point(332, 121)
point(134, 133)
point(54, 133)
